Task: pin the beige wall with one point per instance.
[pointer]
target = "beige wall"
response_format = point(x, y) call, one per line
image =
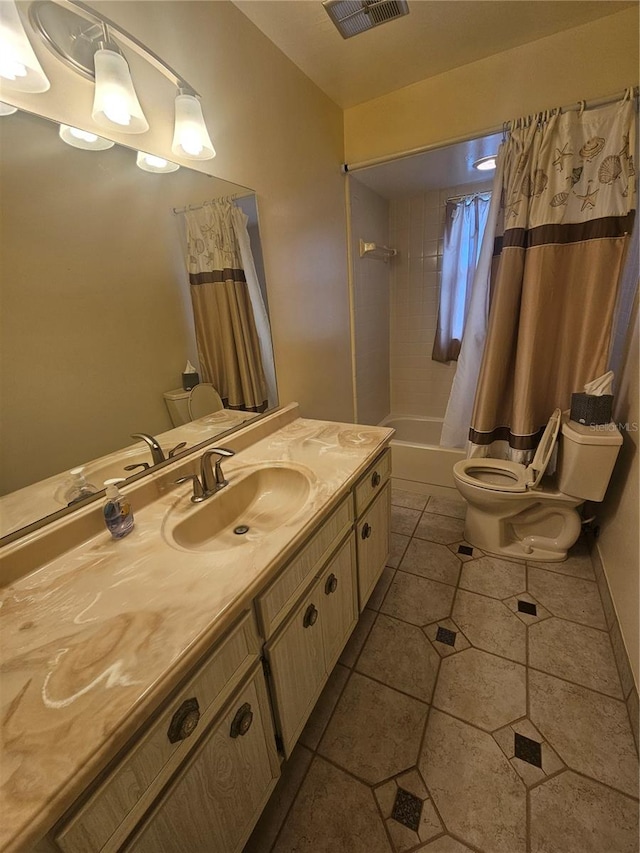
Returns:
point(618, 516)
point(274, 131)
point(369, 220)
point(591, 61)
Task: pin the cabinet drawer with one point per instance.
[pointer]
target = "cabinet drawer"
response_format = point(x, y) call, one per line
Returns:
point(102, 822)
point(372, 482)
point(217, 798)
point(274, 604)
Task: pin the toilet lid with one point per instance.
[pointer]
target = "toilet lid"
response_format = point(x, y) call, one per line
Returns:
point(545, 449)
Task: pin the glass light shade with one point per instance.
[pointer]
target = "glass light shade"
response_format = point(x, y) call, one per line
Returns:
point(115, 103)
point(83, 139)
point(485, 164)
point(190, 136)
point(7, 109)
point(151, 163)
point(20, 70)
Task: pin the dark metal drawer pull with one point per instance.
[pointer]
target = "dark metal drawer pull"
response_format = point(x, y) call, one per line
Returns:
point(331, 585)
point(184, 721)
point(241, 723)
point(366, 531)
point(375, 480)
point(310, 616)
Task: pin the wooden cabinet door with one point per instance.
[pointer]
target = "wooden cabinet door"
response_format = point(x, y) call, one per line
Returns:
point(215, 802)
point(372, 538)
point(339, 602)
point(296, 660)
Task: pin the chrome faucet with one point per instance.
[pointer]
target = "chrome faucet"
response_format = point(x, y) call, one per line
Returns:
point(157, 453)
point(211, 478)
point(207, 472)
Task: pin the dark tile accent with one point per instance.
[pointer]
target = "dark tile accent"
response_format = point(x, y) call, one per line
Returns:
point(528, 750)
point(407, 809)
point(527, 607)
point(465, 549)
point(444, 635)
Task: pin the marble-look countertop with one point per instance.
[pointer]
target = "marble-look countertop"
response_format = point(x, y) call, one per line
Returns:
point(96, 638)
point(24, 506)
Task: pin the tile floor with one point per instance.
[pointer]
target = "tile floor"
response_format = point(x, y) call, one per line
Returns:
point(477, 707)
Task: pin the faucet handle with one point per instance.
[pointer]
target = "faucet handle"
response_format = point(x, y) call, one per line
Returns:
point(143, 465)
point(175, 449)
point(223, 451)
point(198, 492)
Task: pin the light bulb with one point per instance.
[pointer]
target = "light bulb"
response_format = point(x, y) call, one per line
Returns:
point(115, 103)
point(152, 163)
point(83, 139)
point(84, 135)
point(20, 69)
point(190, 136)
point(485, 164)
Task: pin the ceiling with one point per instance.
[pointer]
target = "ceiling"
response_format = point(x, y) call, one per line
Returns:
point(443, 167)
point(434, 37)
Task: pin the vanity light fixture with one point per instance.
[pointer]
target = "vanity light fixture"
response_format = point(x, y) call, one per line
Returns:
point(7, 109)
point(151, 163)
point(190, 135)
point(115, 103)
point(486, 164)
point(20, 70)
point(93, 46)
point(83, 139)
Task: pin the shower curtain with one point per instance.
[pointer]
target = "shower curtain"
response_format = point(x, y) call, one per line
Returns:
point(465, 222)
point(226, 336)
point(568, 205)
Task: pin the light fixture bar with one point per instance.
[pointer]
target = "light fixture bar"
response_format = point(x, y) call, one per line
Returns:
point(69, 47)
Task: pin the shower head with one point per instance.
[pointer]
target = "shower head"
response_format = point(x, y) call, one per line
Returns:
point(355, 16)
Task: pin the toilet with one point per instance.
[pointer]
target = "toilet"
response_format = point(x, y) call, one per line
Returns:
point(515, 511)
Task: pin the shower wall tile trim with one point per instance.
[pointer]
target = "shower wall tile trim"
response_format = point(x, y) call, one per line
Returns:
point(419, 386)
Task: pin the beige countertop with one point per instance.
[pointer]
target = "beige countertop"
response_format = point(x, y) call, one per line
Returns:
point(97, 637)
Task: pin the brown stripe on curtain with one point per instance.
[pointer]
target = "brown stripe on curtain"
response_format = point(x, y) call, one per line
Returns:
point(213, 276)
point(573, 232)
point(503, 433)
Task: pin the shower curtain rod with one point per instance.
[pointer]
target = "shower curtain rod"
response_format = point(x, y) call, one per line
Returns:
point(424, 149)
point(206, 203)
point(467, 195)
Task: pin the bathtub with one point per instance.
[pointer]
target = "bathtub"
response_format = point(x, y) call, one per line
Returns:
point(415, 452)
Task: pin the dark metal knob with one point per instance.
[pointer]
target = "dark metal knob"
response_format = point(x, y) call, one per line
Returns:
point(366, 531)
point(184, 721)
point(331, 585)
point(375, 479)
point(310, 616)
point(241, 723)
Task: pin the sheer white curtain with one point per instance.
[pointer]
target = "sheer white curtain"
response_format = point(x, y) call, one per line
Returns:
point(455, 429)
point(464, 227)
point(239, 220)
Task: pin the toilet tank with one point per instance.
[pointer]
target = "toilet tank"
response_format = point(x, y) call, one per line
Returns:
point(586, 457)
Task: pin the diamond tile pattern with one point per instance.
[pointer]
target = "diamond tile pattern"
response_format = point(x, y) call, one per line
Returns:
point(463, 669)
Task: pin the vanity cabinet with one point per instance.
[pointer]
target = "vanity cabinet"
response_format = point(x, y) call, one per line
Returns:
point(302, 654)
point(216, 799)
point(195, 722)
point(373, 510)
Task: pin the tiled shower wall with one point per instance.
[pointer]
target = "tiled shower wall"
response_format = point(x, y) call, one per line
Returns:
point(419, 386)
point(370, 300)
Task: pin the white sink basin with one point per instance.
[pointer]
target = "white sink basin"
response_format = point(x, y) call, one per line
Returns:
point(255, 504)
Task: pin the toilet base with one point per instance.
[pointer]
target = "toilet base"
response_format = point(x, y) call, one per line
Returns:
point(540, 533)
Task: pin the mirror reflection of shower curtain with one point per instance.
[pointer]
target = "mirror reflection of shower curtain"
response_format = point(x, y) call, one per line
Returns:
point(227, 339)
point(263, 327)
point(455, 428)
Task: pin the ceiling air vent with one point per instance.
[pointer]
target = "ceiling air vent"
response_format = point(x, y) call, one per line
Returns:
point(355, 16)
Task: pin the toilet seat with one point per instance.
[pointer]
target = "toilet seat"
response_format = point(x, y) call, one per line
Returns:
point(500, 475)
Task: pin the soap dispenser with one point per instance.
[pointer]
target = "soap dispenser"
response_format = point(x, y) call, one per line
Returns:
point(79, 489)
point(118, 515)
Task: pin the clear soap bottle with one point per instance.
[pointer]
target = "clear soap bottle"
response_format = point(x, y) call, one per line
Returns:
point(79, 489)
point(118, 515)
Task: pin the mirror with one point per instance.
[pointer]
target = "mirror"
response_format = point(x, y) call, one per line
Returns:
point(97, 321)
